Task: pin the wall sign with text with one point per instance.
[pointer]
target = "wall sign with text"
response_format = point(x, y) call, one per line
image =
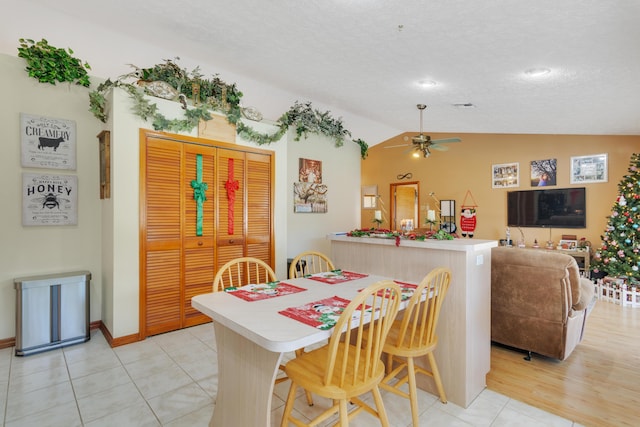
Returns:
point(49, 199)
point(48, 142)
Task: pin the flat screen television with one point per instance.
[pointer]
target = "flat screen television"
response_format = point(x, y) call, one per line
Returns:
point(557, 208)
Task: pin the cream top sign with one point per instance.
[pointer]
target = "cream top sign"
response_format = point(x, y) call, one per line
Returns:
point(48, 142)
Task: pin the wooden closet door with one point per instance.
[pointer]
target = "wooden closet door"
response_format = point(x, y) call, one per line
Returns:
point(161, 236)
point(199, 251)
point(259, 219)
point(230, 224)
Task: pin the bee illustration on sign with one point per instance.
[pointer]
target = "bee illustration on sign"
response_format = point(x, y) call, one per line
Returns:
point(51, 201)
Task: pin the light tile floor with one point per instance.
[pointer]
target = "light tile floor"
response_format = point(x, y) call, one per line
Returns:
point(171, 380)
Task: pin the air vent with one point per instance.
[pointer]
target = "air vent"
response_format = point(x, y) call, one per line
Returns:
point(464, 105)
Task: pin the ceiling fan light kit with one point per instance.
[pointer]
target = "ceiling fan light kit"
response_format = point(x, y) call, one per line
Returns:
point(423, 144)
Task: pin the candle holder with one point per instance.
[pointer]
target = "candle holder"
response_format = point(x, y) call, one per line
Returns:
point(431, 223)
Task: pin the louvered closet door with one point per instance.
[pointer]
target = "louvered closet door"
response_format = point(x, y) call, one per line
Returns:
point(161, 234)
point(231, 214)
point(199, 251)
point(259, 213)
point(178, 263)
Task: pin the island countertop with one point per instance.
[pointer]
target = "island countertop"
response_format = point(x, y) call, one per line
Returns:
point(463, 245)
point(464, 328)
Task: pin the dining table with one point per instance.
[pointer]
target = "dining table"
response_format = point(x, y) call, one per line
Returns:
point(256, 324)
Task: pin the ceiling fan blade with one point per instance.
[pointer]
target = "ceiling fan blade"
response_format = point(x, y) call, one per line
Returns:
point(410, 149)
point(396, 146)
point(438, 147)
point(446, 140)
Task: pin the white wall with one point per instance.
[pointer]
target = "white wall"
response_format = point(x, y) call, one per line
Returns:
point(45, 249)
point(341, 174)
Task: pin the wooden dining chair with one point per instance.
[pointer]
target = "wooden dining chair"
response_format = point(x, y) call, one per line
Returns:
point(350, 364)
point(415, 336)
point(243, 271)
point(310, 262)
point(306, 263)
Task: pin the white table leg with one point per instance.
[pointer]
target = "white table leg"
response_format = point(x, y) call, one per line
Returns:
point(246, 375)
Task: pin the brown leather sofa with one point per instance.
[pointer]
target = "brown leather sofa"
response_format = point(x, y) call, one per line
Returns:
point(539, 302)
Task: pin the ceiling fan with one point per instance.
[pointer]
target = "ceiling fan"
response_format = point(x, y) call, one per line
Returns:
point(423, 143)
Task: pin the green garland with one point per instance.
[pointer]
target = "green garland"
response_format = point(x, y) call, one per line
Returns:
point(218, 96)
point(49, 64)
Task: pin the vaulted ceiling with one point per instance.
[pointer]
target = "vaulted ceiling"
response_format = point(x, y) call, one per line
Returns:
point(377, 59)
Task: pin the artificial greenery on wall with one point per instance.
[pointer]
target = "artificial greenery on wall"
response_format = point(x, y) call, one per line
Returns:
point(48, 64)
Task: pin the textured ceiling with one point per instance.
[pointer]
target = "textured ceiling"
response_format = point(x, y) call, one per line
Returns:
point(366, 57)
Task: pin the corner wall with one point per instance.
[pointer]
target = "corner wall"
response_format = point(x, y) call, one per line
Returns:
point(38, 250)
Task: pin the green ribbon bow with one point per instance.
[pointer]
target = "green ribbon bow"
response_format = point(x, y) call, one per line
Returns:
point(199, 195)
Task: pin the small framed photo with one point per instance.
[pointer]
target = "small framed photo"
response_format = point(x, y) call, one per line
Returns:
point(569, 245)
point(586, 169)
point(543, 172)
point(505, 175)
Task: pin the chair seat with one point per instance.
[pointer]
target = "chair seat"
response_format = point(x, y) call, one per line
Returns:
point(405, 349)
point(309, 369)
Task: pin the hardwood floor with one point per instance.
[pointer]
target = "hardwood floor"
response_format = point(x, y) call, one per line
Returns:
point(598, 385)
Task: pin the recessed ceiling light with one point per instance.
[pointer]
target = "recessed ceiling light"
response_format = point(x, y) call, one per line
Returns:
point(464, 105)
point(537, 72)
point(427, 83)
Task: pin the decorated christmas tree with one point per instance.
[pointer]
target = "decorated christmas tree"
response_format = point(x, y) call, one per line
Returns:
point(619, 254)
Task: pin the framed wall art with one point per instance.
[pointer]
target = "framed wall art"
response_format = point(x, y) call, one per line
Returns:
point(586, 169)
point(49, 199)
point(505, 175)
point(310, 171)
point(309, 197)
point(543, 172)
point(48, 142)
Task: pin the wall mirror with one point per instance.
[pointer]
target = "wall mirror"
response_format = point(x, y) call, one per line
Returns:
point(404, 205)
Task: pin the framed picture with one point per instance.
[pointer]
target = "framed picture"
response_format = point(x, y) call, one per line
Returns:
point(309, 197)
point(49, 199)
point(505, 175)
point(585, 169)
point(48, 142)
point(569, 245)
point(543, 172)
point(310, 171)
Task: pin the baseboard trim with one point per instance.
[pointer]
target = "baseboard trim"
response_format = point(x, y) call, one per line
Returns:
point(8, 342)
point(116, 342)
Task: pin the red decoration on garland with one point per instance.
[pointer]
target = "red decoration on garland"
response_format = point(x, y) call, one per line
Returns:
point(231, 185)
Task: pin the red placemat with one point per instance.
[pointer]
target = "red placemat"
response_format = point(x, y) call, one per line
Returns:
point(264, 291)
point(336, 276)
point(322, 314)
point(407, 289)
